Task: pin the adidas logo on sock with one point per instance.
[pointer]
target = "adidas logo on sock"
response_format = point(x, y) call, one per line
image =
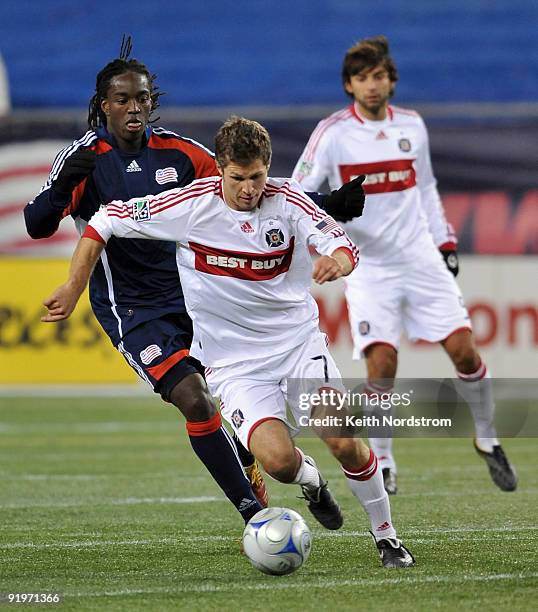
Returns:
point(133, 167)
point(245, 504)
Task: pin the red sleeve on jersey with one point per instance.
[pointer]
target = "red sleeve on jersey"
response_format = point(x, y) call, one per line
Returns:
point(204, 164)
point(75, 198)
point(93, 234)
point(100, 148)
point(448, 246)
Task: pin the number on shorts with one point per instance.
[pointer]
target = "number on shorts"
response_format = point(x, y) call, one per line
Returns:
point(325, 366)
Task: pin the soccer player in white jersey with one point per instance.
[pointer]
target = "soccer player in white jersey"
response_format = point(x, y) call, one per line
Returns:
point(243, 254)
point(403, 237)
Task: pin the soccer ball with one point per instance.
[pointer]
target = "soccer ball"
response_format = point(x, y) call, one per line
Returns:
point(277, 541)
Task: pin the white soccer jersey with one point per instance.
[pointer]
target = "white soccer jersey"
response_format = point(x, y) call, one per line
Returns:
point(245, 275)
point(403, 209)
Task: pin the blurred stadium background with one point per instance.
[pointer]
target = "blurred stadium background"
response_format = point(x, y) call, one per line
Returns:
point(469, 66)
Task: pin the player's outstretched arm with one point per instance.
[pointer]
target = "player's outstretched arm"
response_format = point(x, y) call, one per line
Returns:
point(63, 300)
point(331, 267)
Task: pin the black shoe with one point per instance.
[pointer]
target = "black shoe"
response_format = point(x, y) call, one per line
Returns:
point(322, 504)
point(501, 471)
point(393, 553)
point(389, 481)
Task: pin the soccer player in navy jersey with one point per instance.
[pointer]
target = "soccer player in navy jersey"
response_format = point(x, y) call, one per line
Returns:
point(135, 291)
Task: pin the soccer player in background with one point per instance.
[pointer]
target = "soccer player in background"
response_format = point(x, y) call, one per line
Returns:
point(243, 253)
point(404, 241)
point(135, 290)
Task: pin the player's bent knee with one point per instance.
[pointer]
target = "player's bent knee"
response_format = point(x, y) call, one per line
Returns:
point(201, 409)
point(466, 360)
point(281, 468)
point(193, 399)
point(382, 361)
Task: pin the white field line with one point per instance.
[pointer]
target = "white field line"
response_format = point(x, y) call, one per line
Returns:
point(131, 501)
point(89, 428)
point(410, 479)
point(167, 474)
point(128, 501)
point(501, 531)
point(290, 583)
point(138, 390)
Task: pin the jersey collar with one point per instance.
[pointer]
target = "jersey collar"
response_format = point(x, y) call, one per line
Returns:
point(103, 133)
point(363, 120)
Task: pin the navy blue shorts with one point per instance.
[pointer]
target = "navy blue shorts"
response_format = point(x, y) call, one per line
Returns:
point(158, 351)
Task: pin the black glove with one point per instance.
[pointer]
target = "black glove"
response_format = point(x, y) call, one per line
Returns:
point(347, 202)
point(451, 260)
point(75, 169)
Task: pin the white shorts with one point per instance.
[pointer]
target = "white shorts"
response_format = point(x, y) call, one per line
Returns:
point(423, 300)
point(257, 390)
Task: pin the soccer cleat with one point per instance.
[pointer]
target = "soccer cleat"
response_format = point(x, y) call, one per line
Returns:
point(501, 471)
point(257, 483)
point(393, 553)
point(389, 481)
point(321, 502)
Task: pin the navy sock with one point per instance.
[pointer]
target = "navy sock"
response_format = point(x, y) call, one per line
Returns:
point(213, 445)
point(245, 456)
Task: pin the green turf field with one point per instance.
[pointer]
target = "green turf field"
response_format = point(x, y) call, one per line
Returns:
point(102, 500)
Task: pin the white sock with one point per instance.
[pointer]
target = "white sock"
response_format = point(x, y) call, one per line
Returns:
point(477, 390)
point(307, 475)
point(367, 486)
point(382, 447)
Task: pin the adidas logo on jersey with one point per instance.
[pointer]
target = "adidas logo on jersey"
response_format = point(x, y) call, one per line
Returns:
point(247, 228)
point(133, 167)
point(381, 135)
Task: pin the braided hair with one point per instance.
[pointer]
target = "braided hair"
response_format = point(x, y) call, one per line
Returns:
point(120, 65)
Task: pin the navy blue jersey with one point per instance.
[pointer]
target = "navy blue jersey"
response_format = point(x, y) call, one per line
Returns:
point(135, 280)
